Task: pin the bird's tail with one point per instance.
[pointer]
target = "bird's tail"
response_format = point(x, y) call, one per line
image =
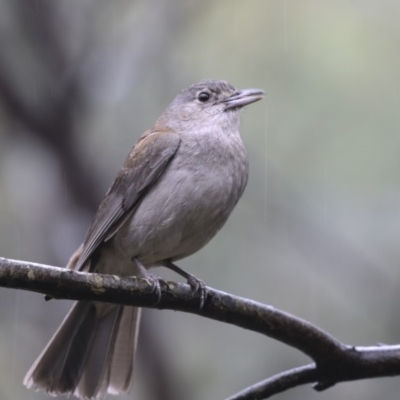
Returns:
point(91, 354)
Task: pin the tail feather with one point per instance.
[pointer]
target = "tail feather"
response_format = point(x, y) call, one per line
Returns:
point(49, 368)
point(81, 357)
point(125, 348)
point(68, 369)
point(95, 378)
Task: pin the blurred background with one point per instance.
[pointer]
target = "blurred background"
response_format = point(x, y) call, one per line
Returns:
point(317, 231)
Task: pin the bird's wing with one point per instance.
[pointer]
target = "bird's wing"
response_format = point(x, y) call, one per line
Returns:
point(144, 165)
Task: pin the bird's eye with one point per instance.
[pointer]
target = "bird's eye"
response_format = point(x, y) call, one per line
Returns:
point(203, 97)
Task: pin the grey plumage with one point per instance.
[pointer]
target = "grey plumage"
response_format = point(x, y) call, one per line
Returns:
point(175, 191)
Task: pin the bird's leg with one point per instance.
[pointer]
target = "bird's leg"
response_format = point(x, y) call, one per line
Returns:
point(152, 278)
point(196, 284)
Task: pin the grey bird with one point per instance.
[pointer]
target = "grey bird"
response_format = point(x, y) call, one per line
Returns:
point(175, 191)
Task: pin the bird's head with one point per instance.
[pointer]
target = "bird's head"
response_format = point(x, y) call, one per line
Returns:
point(207, 104)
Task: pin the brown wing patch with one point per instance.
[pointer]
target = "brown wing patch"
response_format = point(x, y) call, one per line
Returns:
point(141, 170)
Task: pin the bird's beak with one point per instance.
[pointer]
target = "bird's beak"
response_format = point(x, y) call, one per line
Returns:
point(242, 98)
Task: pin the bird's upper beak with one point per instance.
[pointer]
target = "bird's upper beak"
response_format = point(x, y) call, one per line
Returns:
point(243, 97)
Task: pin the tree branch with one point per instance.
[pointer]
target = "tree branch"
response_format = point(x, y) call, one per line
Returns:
point(334, 361)
point(354, 364)
point(62, 283)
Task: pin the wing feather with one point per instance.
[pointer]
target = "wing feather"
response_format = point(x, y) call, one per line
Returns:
point(142, 168)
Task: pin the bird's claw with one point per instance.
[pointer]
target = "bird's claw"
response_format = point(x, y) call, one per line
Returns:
point(155, 281)
point(198, 286)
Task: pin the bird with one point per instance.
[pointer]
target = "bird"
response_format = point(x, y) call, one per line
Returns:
point(175, 191)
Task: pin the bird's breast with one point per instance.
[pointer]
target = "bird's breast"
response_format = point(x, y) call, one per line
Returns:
point(189, 203)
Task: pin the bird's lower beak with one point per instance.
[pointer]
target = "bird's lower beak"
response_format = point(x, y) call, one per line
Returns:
point(242, 98)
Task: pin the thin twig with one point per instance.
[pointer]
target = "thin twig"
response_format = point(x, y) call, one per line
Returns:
point(278, 383)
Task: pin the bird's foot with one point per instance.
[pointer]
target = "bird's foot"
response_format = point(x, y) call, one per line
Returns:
point(198, 286)
point(153, 280)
